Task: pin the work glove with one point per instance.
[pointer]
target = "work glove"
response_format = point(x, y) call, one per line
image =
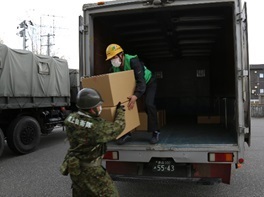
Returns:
point(119, 105)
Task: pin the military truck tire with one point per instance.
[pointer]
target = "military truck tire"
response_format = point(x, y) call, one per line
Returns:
point(23, 135)
point(2, 142)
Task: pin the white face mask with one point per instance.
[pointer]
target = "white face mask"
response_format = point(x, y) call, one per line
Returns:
point(97, 111)
point(116, 62)
point(100, 110)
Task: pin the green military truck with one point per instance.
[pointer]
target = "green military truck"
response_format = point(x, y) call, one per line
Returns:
point(35, 96)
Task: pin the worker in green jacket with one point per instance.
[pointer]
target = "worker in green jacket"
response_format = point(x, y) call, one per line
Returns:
point(88, 134)
point(145, 85)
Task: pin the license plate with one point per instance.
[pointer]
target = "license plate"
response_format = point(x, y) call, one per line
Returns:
point(163, 166)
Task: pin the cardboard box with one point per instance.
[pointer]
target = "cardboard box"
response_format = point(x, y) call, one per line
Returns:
point(143, 118)
point(131, 117)
point(208, 120)
point(113, 87)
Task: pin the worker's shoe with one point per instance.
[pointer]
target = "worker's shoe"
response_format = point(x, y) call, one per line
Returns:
point(155, 137)
point(124, 139)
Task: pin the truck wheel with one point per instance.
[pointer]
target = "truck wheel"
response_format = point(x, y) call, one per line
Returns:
point(23, 135)
point(2, 142)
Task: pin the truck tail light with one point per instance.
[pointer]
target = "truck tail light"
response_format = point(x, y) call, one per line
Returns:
point(111, 155)
point(100, 3)
point(241, 160)
point(220, 157)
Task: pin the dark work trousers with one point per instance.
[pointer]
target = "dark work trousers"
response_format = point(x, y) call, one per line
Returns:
point(151, 110)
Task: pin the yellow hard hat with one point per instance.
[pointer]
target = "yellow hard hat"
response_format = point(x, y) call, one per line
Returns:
point(112, 50)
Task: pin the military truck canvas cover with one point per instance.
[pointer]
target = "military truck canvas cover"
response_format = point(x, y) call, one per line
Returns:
point(29, 80)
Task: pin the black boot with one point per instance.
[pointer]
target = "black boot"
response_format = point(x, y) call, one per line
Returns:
point(125, 138)
point(155, 137)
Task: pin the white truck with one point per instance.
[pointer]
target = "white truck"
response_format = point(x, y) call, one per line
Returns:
point(199, 52)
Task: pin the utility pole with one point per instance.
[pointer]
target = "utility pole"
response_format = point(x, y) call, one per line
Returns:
point(49, 34)
point(23, 33)
point(49, 44)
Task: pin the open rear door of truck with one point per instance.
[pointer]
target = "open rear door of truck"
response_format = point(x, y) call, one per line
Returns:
point(81, 47)
point(246, 85)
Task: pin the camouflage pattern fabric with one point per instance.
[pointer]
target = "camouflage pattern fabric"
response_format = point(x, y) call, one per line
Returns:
point(88, 136)
point(95, 182)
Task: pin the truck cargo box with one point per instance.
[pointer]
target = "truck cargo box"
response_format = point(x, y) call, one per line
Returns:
point(193, 48)
point(28, 80)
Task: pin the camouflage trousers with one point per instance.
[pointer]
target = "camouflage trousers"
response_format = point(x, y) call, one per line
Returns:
point(93, 182)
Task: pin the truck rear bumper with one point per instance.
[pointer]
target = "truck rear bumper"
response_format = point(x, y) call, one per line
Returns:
point(170, 180)
point(196, 172)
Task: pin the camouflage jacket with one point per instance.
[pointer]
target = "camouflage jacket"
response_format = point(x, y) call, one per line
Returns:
point(88, 136)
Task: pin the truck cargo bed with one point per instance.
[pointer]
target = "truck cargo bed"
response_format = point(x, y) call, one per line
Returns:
point(182, 136)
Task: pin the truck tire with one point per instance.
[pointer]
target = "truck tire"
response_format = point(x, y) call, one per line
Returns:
point(23, 135)
point(2, 142)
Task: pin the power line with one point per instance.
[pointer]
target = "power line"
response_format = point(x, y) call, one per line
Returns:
point(50, 41)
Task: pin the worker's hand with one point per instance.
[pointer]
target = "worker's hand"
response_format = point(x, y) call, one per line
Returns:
point(132, 101)
point(119, 105)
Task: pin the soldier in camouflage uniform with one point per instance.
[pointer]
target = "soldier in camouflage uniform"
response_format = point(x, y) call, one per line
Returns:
point(87, 134)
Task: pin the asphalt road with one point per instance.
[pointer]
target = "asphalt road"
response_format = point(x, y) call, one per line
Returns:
point(37, 174)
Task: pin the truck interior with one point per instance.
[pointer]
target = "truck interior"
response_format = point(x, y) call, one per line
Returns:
point(191, 49)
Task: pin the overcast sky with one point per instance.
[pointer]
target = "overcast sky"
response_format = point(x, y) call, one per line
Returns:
point(63, 16)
